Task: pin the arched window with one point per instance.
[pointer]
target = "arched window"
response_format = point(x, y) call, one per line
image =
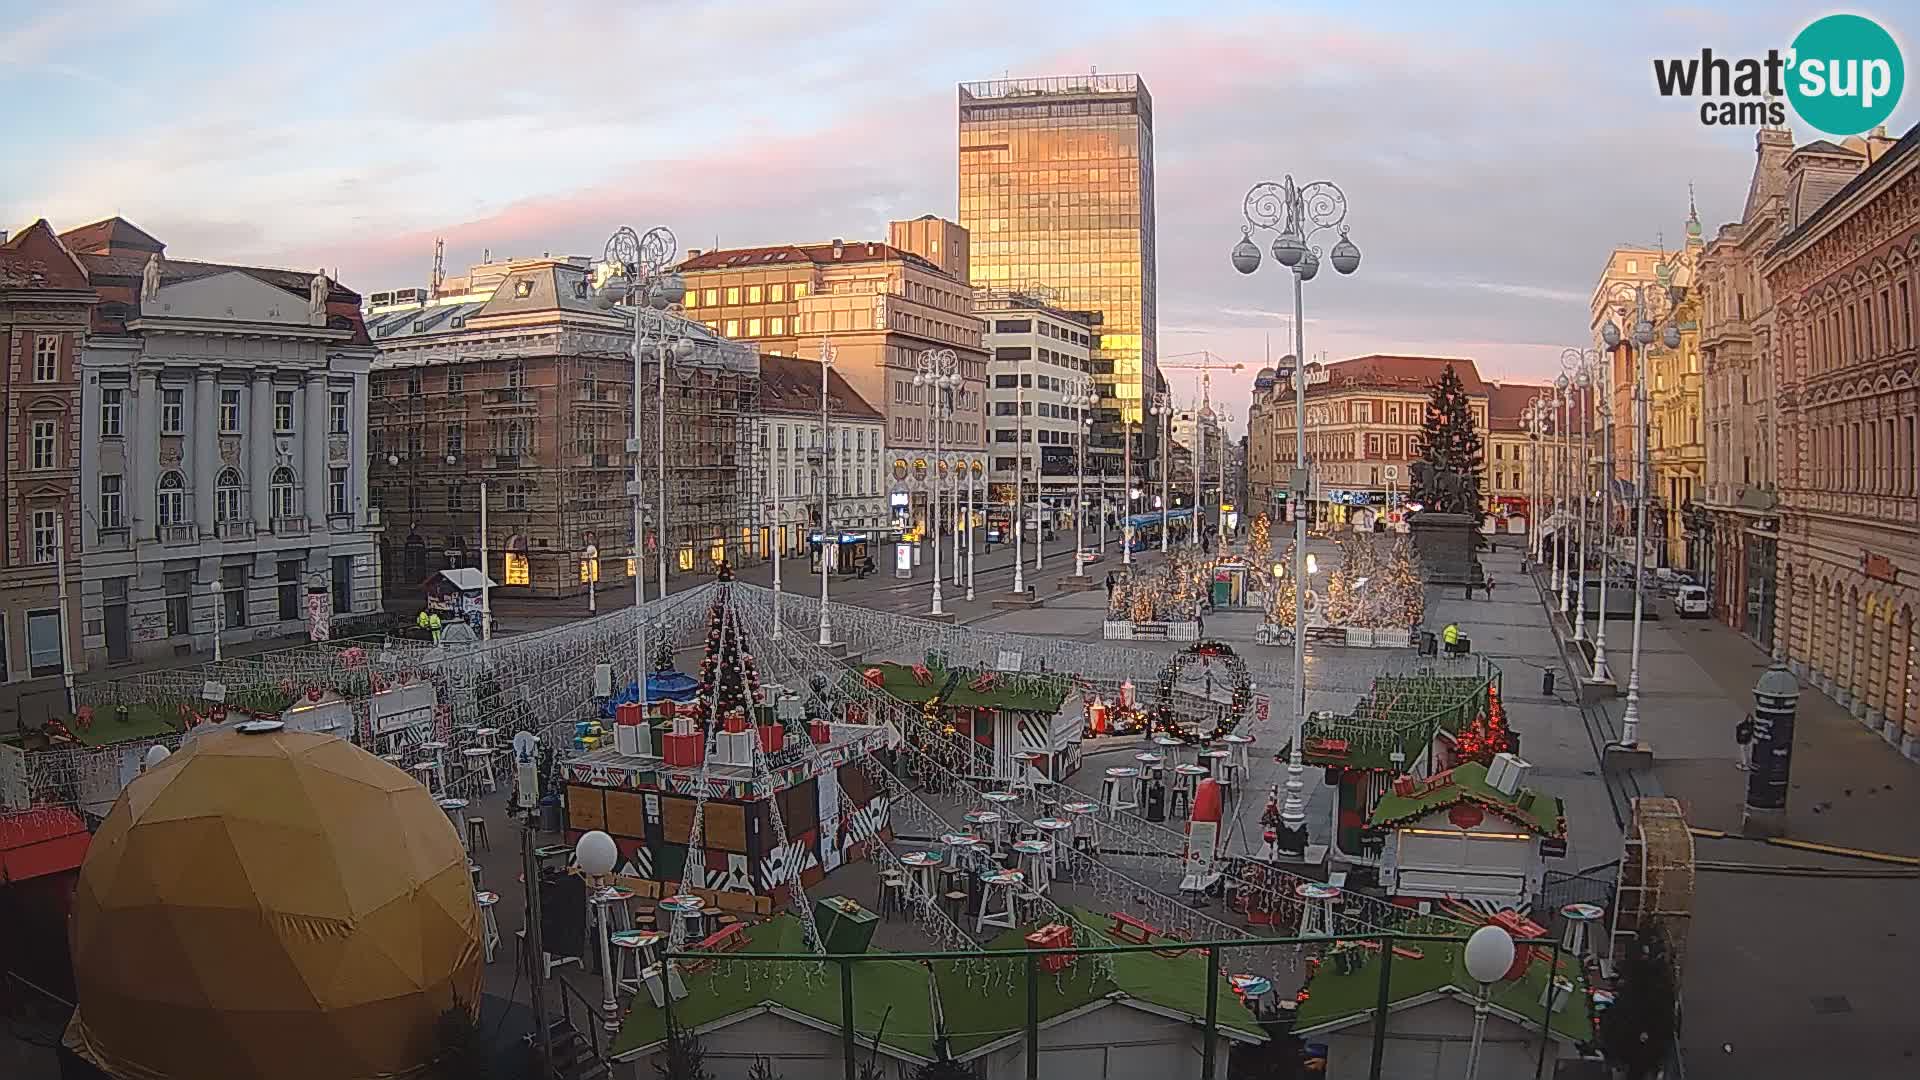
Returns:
point(281, 490)
point(516, 438)
point(227, 496)
point(173, 498)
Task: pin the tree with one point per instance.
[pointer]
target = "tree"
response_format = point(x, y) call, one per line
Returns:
point(763, 1070)
point(943, 1069)
point(1448, 443)
point(727, 673)
point(462, 1052)
point(1637, 1033)
point(685, 1057)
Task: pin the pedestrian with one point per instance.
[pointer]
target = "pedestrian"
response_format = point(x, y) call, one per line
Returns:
point(1489, 586)
point(1111, 582)
point(1451, 635)
point(1201, 624)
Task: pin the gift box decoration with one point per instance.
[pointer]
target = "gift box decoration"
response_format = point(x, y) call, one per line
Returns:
point(683, 749)
point(820, 731)
point(1053, 936)
point(772, 738)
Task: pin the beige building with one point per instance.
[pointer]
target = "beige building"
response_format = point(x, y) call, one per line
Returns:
point(1510, 460)
point(881, 307)
point(45, 304)
point(1363, 425)
point(1844, 280)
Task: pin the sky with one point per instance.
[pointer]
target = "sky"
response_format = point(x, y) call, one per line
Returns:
point(1491, 154)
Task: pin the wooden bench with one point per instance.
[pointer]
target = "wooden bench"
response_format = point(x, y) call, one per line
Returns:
point(728, 939)
point(1130, 930)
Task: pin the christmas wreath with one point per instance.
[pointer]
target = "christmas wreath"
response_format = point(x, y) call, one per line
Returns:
point(1206, 653)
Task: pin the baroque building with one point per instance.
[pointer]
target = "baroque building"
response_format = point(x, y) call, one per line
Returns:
point(223, 452)
point(1844, 278)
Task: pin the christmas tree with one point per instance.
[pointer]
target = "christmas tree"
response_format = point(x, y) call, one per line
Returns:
point(1260, 543)
point(1636, 1034)
point(685, 1055)
point(1280, 605)
point(728, 679)
point(1448, 442)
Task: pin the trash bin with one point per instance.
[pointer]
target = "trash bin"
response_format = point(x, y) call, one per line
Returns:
point(1546, 682)
point(1429, 643)
point(550, 814)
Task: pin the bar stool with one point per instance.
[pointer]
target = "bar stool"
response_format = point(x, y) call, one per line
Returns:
point(1121, 788)
point(1036, 858)
point(1005, 883)
point(1578, 917)
point(1237, 743)
point(955, 903)
point(684, 911)
point(1151, 763)
point(1036, 761)
point(1053, 831)
point(1002, 801)
point(479, 760)
point(1082, 814)
point(477, 838)
point(1316, 907)
point(489, 928)
point(423, 771)
point(893, 888)
point(456, 811)
point(922, 864)
point(438, 752)
point(635, 948)
point(1185, 779)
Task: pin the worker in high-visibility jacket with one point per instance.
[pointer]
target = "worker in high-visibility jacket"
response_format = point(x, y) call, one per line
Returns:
point(1451, 635)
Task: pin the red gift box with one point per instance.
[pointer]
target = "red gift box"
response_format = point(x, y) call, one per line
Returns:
point(1519, 926)
point(683, 751)
point(734, 722)
point(628, 714)
point(820, 731)
point(772, 738)
point(1052, 936)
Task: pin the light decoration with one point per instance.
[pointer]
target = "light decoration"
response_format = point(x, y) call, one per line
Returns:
point(1224, 720)
point(1488, 734)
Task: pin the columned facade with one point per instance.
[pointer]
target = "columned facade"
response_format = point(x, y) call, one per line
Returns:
point(1844, 283)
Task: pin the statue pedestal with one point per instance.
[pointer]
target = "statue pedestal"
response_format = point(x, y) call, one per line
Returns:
point(1445, 544)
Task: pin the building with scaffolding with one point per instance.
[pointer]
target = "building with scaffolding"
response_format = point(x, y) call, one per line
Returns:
point(516, 380)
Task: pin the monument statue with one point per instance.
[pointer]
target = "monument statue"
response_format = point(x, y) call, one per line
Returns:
point(317, 291)
point(150, 278)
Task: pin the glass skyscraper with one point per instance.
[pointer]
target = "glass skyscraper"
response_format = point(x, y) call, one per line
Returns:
point(1056, 190)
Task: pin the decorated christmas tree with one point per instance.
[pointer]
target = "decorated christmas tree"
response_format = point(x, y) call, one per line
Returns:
point(1260, 543)
point(728, 678)
point(1280, 599)
point(1487, 735)
point(1447, 473)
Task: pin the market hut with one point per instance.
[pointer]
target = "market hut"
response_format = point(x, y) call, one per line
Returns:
point(1471, 834)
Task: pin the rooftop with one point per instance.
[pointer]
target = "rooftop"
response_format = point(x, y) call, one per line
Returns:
point(1508, 400)
point(1467, 782)
point(782, 255)
point(1412, 374)
point(790, 384)
point(1871, 174)
point(1336, 1000)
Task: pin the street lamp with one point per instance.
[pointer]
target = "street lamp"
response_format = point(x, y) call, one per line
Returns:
point(1162, 411)
point(1296, 214)
point(1563, 562)
point(219, 601)
point(1582, 365)
point(1643, 336)
point(1080, 399)
point(595, 854)
point(1489, 958)
point(939, 374)
point(828, 354)
point(646, 284)
point(976, 484)
point(1605, 409)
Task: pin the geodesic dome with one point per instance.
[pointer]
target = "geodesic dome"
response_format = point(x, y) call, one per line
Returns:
point(271, 904)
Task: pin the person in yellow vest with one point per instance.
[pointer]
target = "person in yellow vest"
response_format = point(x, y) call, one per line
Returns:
point(433, 625)
point(1451, 636)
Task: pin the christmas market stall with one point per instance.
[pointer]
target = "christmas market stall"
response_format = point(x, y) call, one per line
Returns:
point(735, 794)
point(1018, 716)
point(1474, 834)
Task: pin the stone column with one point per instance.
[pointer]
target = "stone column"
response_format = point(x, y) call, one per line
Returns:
point(260, 449)
point(314, 474)
point(357, 448)
point(203, 432)
point(145, 468)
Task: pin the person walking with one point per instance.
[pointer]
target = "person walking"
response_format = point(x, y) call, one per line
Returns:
point(1451, 636)
point(1201, 624)
point(1111, 582)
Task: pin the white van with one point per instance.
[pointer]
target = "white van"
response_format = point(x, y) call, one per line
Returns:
point(1691, 601)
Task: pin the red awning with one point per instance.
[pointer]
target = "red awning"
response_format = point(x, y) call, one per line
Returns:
point(42, 841)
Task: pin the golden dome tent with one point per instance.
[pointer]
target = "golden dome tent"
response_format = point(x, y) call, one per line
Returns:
point(271, 903)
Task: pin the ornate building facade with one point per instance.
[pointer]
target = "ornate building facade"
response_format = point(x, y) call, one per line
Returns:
point(1844, 281)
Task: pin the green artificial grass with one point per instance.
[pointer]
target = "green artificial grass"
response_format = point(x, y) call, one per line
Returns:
point(1537, 811)
point(143, 722)
point(895, 993)
point(1018, 693)
point(1333, 997)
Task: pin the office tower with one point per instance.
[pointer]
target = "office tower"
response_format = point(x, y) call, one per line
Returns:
point(1056, 194)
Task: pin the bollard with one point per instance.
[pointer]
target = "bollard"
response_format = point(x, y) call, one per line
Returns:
point(1546, 683)
point(1776, 699)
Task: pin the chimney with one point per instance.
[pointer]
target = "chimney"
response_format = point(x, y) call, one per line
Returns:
point(693, 253)
point(839, 247)
point(3, 236)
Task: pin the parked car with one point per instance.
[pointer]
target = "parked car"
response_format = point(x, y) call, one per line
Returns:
point(1089, 556)
point(1690, 601)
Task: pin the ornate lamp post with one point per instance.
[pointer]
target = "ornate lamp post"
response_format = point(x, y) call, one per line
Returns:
point(1563, 560)
point(827, 356)
point(1295, 214)
point(1582, 365)
point(974, 483)
point(1643, 336)
point(1605, 409)
point(939, 374)
point(1162, 411)
point(647, 285)
point(1081, 399)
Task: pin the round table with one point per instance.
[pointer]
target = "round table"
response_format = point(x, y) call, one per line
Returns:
point(1219, 759)
point(1251, 985)
point(642, 941)
point(1052, 824)
point(1000, 796)
point(1079, 807)
point(1150, 760)
point(1032, 847)
point(1313, 890)
point(684, 908)
point(954, 839)
point(1012, 878)
point(1123, 772)
point(456, 811)
point(981, 817)
point(922, 864)
point(1167, 742)
point(486, 733)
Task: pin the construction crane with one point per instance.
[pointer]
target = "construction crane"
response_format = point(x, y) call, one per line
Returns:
point(1206, 363)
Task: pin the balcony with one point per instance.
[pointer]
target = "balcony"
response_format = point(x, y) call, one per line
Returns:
point(507, 459)
point(290, 526)
point(235, 529)
point(175, 535)
point(510, 399)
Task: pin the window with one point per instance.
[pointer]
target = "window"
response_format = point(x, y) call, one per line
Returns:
point(456, 497)
point(456, 438)
point(229, 412)
point(287, 576)
point(337, 411)
point(283, 411)
point(110, 401)
point(173, 498)
point(753, 327)
point(711, 298)
point(342, 584)
point(280, 492)
point(171, 412)
point(693, 299)
point(45, 650)
point(413, 384)
point(46, 359)
point(776, 292)
point(516, 376)
point(41, 444)
point(233, 596)
point(753, 294)
point(179, 589)
point(110, 505)
point(733, 294)
point(516, 496)
point(46, 536)
point(516, 438)
point(733, 328)
point(776, 326)
point(1633, 266)
point(227, 496)
point(456, 382)
point(337, 491)
point(799, 290)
